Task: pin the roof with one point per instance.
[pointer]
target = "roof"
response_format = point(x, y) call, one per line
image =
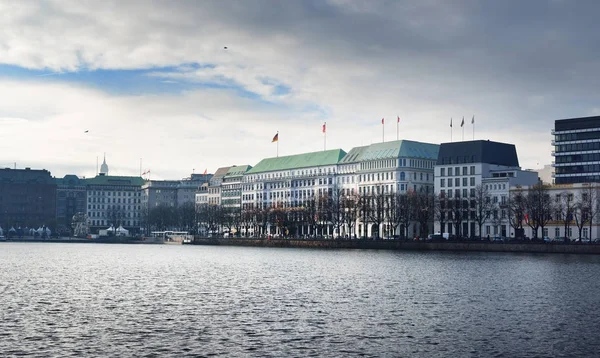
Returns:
point(305, 160)
point(393, 149)
point(69, 179)
point(115, 180)
point(577, 123)
point(237, 170)
point(221, 172)
point(478, 151)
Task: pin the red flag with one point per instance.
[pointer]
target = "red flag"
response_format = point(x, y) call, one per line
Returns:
point(205, 171)
point(324, 127)
point(526, 218)
point(382, 120)
point(398, 119)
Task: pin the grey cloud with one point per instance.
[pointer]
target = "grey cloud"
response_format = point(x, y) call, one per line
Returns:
point(516, 64)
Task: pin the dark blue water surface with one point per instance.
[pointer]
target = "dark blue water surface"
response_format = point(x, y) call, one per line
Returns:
point(60, 300)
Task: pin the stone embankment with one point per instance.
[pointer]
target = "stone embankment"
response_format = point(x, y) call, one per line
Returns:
point(407, 245)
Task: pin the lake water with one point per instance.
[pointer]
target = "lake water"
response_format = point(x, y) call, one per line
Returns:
point(60, 300)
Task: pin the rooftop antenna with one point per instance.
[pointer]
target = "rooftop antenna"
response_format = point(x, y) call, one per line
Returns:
point(96, 165)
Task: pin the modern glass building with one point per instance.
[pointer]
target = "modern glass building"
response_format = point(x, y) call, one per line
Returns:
point(576, 150)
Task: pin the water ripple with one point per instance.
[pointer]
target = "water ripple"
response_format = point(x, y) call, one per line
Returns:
point(72, 300)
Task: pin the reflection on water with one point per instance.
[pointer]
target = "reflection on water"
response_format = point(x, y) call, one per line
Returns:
point(130, 300)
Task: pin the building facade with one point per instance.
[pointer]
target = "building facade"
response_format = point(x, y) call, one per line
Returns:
point(27, 199)
point(214, 186)
point(569, 212)
point(114, 201)
point(70, 200)
point(463, 168)
point(576, 150)
point(231, 186)
point(299, 181)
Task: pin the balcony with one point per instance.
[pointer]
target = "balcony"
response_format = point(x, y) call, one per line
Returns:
point(552, 142)
point(552, 153)
point(552, 131)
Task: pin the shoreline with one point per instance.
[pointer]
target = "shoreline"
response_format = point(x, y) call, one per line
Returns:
point(587, 249)
point(360, 244)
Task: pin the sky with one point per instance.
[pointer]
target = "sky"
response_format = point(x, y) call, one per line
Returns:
point(153, 81)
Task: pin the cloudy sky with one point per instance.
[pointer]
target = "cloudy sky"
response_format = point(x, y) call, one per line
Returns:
point(152, 80)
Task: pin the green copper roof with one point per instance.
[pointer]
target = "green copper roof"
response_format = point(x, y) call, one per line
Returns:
point(237, 170)
point(394, 149)
point(115, 180)
point(304, 160)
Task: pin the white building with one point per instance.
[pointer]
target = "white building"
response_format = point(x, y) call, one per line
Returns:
point(114, 200)
point(462, 166)
point(298, 180)
point(576, 194)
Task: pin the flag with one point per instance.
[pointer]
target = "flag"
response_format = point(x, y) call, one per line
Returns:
point(463, 122)
point(324, 127)
point(398, 119)
point(450, 122)
point(275, 138)
point(473, 120)
point(382, 120)
point(526, 218)
point(204, 171)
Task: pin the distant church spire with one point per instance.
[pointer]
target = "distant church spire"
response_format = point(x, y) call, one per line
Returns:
point(104, 166)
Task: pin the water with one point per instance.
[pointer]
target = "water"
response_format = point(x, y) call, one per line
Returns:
point(60, 300)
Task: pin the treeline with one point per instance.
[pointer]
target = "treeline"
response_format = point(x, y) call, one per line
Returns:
point(334, 213)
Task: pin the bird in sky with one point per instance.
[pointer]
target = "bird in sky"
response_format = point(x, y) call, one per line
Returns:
point(86, 131)
point(225, 47)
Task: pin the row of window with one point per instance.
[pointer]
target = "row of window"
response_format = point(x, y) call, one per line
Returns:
point(561, 148)
point(574, 169)
point(105, 222)
point(457, 182)
point(577, 136)
point(119, 207)
point(577, 158)
point(113, 193)
point(115, 200)
point(102, 214)
point(455, 171)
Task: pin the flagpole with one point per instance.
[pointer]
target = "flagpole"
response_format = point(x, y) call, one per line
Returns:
point(325, 136)
point(462, 124)
point(383, 130)
point(398, 128)
point(277, 144)
point(473, 123)
point(450, 129)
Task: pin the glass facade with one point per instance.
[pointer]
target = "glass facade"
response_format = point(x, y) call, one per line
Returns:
point(577, 150)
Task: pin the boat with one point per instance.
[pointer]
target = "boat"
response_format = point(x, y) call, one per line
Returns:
point(172, 237)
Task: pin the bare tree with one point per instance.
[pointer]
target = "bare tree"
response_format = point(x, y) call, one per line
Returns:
point(590, 198)
point(364, 208)
point(457, 208)
point(440, 210)
point(162, 217)
point(580, 213)
point(516, 208)
point(423, 208)
point(351, 211)
point(377, 209)
point(186, 216)
point(335, 205)
point(405, 210)
point(539, 207)
point(565, 206)
point(482, 206)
